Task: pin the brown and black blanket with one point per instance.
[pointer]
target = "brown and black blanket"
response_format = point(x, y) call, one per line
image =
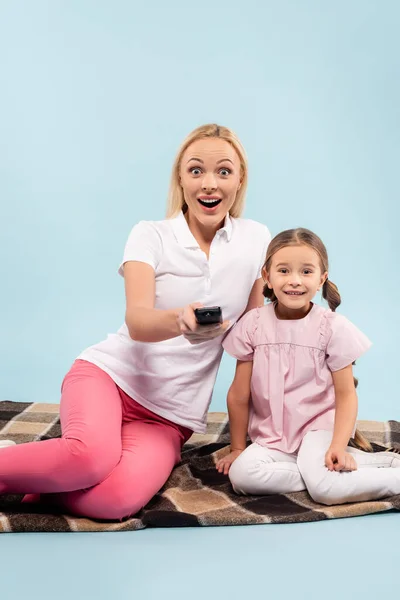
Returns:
point(195, 494)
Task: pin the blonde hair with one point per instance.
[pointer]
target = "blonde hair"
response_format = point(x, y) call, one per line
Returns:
point(176, 201)
point(330, 292)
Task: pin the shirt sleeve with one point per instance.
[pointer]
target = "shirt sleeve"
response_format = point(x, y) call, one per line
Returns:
point(267, 239)
point(346, 343)
point(144, 245)
point(239, 341)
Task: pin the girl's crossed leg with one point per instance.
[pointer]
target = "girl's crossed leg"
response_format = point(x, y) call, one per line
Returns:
point(260, 470)
point(374, 478)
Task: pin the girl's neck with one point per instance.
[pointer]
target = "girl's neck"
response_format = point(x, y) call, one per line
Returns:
point(287, 314)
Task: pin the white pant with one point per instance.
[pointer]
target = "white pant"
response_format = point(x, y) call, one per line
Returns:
point(261, 471)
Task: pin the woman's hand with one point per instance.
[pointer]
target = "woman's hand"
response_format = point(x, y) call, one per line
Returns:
point(224, 464)
point(337, 459)
point(195, 333)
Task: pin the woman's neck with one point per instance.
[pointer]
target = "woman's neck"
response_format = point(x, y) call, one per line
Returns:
point(203, 234)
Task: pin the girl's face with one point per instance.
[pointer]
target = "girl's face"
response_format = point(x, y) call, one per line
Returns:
point(210, 178)
point(295, 276)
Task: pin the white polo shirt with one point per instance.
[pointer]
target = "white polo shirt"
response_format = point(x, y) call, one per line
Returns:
point(174, 378)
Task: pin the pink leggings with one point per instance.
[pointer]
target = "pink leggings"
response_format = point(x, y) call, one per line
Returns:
point(114, 454)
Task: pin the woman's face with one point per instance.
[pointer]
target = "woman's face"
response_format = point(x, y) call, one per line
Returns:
point(210, 178)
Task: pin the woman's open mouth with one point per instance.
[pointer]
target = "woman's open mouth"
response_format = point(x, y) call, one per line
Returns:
point(209, 203)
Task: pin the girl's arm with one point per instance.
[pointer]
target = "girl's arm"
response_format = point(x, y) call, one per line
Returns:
point(238, 410)
point(238, 405)
point(345, 419)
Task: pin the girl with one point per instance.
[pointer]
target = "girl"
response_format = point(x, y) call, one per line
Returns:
point(294, 390)
point(130, 402)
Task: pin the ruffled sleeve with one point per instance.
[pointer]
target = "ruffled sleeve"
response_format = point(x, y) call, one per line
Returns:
point(344, 342)
point(239, 342)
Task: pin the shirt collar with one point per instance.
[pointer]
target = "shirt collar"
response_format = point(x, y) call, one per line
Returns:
point(227, 228)
point(185, 237)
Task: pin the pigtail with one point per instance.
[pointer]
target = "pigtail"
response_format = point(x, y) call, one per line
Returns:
point(330, 293)
point(360, 441)
point(269, 294)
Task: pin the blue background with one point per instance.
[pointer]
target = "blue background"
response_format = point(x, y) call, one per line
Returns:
point(95, 99)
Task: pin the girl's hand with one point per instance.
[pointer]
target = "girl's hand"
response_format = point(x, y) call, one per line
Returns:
point(224, 464)
point(195, 333)
point(337, 459)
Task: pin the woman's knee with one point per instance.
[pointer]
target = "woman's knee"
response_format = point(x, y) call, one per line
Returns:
point(94, 462)
point(118, 506)
point(108, 504)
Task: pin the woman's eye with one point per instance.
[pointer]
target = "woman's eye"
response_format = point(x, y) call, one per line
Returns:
point(195, 171)
point(225, 172)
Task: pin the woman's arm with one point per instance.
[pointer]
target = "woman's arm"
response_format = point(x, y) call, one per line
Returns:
point(345, 418)
point(256, 297)
point(148, 324)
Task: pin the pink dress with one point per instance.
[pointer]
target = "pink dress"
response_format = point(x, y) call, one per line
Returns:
point(292, 388)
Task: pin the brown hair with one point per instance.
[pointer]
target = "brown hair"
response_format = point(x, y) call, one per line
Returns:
point(330, 292)
point(176, 201)
point(302, 237)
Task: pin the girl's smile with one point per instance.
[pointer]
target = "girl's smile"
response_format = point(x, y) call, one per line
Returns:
point(295, 276)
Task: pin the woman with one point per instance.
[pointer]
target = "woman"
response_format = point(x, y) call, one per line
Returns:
point(129, 403)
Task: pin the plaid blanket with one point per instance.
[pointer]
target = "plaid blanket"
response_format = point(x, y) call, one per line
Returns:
point(194, 495)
